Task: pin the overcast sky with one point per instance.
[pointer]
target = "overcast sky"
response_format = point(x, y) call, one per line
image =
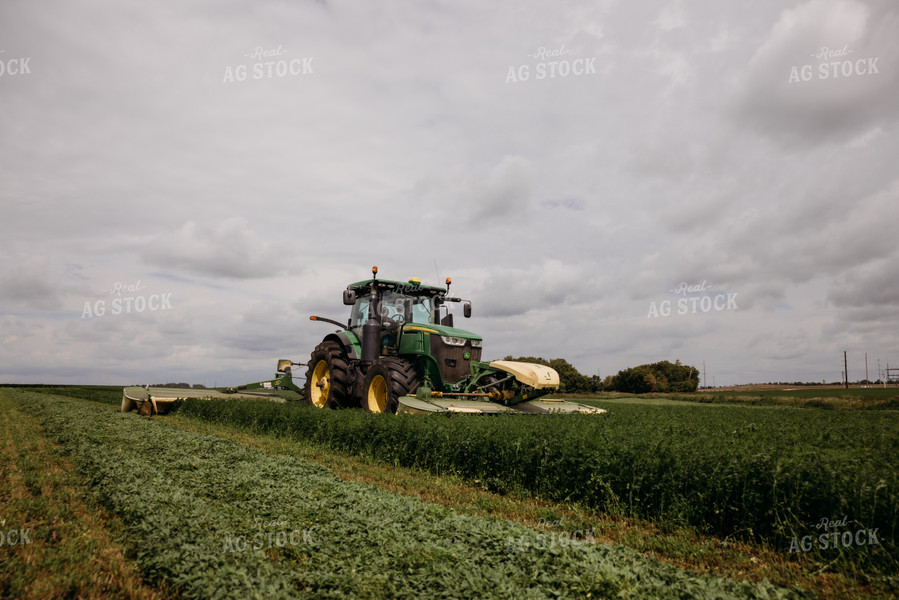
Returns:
point(610, 182)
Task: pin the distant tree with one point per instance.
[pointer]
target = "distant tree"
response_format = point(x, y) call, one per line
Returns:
point(572, 380)
point(637, 380)
point(661, 377)
point(530, 359)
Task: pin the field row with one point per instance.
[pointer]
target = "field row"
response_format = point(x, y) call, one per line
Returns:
point(216, 519)
point(765, 474)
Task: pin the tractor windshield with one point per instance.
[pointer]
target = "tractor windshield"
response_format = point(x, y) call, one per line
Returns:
point(395, 307)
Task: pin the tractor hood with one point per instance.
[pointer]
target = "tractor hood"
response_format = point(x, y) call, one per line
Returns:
point(442, 330)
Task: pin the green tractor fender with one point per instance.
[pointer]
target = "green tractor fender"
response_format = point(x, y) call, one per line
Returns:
point(349, 341)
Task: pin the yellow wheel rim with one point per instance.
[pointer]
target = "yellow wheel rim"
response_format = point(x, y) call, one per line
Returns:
point(321, 384)
point(377, 394)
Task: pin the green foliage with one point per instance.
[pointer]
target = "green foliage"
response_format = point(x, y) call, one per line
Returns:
point(662, 377)
point(107, 394)
point(754, 473)
point(182, 496)
point(57, 555)
point(870, 398)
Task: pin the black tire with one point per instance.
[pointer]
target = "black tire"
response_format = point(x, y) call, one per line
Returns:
point(326, 377)
point(386, 380)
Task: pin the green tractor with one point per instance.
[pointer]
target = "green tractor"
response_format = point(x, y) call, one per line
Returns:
point(400, 353)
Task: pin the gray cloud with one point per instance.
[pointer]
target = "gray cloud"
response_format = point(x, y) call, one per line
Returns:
point(478, 197)
point(232, 248)
point(825, 73)
point(562, 206)
point(25, 282)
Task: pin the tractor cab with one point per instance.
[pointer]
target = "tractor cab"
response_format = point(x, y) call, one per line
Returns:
point(395, 307)
point(391, 317)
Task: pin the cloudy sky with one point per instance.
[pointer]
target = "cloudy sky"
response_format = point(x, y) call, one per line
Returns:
point(614, 183)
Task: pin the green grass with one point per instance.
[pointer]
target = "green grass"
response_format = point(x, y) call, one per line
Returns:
point(871, 398)
point(182, 496)
point(682, 548)
point(107, 394)
point(752, 473)
point(71, 548)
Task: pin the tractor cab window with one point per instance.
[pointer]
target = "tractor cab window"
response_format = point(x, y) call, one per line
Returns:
point(395, 307)
point(405, 308)
point(422, 309)
point(359, 313)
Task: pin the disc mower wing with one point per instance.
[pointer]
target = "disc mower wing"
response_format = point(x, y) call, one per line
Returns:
point(160, 400)
point(536, 376)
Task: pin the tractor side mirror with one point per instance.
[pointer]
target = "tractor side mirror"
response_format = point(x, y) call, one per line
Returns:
point(466, 310)
point(349, 297)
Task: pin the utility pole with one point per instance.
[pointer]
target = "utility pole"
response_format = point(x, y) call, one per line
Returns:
point(866, 369)
point(846, 369)
point(705, 381)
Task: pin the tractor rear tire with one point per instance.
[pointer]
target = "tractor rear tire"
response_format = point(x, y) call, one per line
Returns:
point(326, 377)
point(385, 382)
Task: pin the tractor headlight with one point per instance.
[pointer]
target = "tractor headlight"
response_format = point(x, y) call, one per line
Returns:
point(475, 343)
point(453, 341)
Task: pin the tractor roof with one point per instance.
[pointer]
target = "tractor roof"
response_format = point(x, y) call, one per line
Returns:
point(410, 287)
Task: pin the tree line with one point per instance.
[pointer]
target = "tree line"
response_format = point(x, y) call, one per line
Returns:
point(662, 377)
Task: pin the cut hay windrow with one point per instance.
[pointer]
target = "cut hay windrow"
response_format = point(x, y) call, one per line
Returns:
point(756, 473)
point(216, 519)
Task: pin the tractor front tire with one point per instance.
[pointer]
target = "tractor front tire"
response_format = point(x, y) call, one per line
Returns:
point(385, 382)
point(326, 377)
